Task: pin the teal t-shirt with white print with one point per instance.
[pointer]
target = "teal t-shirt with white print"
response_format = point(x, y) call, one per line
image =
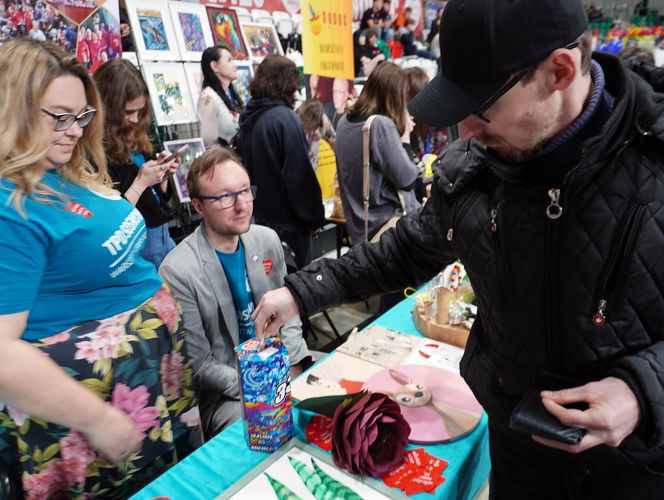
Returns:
point(73, 261)
point(235, 269)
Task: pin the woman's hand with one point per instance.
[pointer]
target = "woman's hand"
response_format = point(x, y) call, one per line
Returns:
point(114, 435)
point(152, 173)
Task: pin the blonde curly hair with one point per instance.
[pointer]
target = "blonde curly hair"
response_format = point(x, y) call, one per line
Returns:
point(27, 68)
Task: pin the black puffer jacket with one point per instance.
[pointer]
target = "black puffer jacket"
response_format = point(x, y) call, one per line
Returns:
point(541, 281)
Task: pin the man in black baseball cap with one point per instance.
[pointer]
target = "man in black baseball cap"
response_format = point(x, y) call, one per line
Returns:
point(484, 44)
point(554, 201)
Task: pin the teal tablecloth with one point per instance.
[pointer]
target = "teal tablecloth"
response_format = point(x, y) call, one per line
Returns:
point(226, 458)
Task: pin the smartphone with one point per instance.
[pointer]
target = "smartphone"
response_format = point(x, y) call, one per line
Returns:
point(180, 151)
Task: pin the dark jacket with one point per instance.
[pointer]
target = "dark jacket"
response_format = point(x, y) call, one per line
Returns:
point(275, 152)
point(539, 282)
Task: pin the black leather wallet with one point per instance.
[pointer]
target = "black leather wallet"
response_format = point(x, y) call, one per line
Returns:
point(531, 417)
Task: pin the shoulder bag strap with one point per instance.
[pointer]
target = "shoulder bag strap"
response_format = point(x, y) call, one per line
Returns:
point(366, 161)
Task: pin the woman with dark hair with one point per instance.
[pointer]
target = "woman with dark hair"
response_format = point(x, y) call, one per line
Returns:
point(219, 104)
point(392, 171)
point(274, 149)
point(143, 182)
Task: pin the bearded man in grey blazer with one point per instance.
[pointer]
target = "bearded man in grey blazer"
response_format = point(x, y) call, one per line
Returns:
point(218, 273)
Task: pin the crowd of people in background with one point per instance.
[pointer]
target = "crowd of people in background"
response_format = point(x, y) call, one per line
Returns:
point(89, 179)
point(37, 20)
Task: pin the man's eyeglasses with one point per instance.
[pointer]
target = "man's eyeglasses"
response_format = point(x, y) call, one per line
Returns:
point(516, 78)
point(64, 121)
point(228, 200)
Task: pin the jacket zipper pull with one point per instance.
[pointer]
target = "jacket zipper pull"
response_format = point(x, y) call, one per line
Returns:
point(494, 213)
point(554, 210)
point(450, 234)
point(599, 317)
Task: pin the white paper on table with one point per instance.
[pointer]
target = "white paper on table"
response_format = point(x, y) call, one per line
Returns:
point(433, 353)
point(379, 345)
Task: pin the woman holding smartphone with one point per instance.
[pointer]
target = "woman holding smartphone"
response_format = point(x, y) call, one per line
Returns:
point(142, 181)
point(95, 394)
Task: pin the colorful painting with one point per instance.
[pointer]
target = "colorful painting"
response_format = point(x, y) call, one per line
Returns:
point(37, 20)
point(153, 31)
point(192, 31)
point(99, 39)
point(169, 93)
point(245, 73)
point(226, 30)
point(77, 10)
point(300, 471)
point(262, 40)
point(196, 149)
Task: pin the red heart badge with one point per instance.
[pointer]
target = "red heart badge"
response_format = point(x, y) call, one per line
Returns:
point(77, 208)
point(267, 265)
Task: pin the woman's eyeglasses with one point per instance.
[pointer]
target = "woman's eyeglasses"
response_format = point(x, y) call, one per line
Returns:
point(228, 200)
point(64, 121)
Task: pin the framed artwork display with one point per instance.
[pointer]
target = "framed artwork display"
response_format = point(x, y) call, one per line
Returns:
point(196, 149)
point(192, 30)
point(169, 93)
point(99, 38)
point(299, 470)
point(153, 31)
point(245, 73)
point(194, 75)
point(226, 30)
point(262, 40)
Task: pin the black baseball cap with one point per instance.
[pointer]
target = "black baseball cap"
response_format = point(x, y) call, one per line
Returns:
point(483, 42)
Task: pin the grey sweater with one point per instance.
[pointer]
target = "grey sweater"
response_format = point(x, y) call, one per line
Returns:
point(391, 168)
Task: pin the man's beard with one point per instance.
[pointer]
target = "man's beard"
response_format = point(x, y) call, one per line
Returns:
point(511, 155)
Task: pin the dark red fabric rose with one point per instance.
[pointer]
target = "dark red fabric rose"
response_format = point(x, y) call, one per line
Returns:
point(369, 435)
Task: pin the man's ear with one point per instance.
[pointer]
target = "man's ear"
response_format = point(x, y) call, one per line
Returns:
point(563, 67)
point(197, 204)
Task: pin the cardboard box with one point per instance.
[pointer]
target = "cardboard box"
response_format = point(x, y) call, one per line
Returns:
point(266, 394)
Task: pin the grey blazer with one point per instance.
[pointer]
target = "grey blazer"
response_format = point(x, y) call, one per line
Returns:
point(194, 274)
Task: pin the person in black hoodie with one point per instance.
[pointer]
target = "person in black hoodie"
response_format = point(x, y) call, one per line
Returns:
point(274, 149)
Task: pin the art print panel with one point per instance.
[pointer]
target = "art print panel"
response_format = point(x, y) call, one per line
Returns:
point(153, 31)
point(226, 30)
point(262, 40)
point(300, 471)
point(336, 375)
point(196, 149)
point(38, 20)
point(245, 73)
point(192, 31)
point(169, 93)
point(99, 39)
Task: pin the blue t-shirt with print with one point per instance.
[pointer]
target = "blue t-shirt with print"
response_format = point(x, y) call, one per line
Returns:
point(235, 269)
point(71, 261)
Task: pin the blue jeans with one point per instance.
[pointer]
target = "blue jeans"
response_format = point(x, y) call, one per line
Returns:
point(157, 244)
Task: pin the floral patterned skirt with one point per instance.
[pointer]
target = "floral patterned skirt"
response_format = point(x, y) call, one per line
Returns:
point(134, 361)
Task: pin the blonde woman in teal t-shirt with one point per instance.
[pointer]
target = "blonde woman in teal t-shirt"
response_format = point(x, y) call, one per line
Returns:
point(93, 384)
